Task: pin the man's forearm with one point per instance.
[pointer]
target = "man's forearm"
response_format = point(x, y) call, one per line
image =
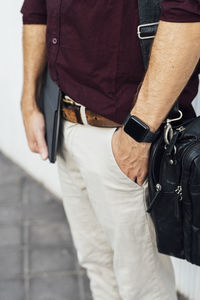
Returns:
point(175, 53)
point(34, 50)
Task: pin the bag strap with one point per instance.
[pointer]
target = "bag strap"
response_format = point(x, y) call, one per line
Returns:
point(149, 15)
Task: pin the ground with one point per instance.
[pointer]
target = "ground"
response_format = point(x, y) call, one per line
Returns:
point(37, 258)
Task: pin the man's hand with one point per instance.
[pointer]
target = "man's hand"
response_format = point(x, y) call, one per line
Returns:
point(131, 156)
point(35, 129)
point(35, 59)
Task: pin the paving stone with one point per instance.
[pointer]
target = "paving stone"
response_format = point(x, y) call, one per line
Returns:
point(10, 193)
point(86, 284)
point(45, 211)
point(9, 171)
point(52, 259)
point(37, 192)
point(55, 288)
point(51, 233)
point(11, 290)
point(10, 214)
point(10, 235)
point(41, 204)
point(10, 262)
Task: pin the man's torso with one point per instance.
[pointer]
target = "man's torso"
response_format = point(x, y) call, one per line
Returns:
point(95, 57)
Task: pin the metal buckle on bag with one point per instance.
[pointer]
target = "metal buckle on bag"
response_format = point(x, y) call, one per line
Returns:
point(143, 29)
point(168, 130)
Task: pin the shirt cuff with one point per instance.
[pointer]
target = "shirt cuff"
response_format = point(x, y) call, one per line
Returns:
point(174, 11)
point(34, 19)
point(181, 19)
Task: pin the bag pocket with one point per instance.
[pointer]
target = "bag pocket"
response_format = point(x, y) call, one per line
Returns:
point(168, 225)
point(191, 203)
point(194, 195)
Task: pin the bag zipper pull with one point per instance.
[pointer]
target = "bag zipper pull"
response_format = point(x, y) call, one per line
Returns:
point(178, 191)
point(181, 128)
point(155, 198)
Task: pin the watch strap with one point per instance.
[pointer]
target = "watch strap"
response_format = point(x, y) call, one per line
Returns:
point(151, 136)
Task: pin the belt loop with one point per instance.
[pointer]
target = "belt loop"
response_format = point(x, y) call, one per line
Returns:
point(83, 115)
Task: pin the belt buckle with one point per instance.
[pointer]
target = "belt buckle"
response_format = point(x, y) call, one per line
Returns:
point(68, 100)
point(140, 27)
point(82, 113)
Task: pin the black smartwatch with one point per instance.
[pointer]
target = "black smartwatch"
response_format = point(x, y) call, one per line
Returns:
point(138, 130)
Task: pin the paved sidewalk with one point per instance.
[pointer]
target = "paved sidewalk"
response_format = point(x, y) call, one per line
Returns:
point(37, 257)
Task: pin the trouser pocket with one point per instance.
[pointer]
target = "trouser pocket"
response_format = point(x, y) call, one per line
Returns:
point(115, 165)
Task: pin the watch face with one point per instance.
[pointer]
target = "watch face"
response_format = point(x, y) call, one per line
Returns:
point(136, 128)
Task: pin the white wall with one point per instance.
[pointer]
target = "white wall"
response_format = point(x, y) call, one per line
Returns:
point(12, 136)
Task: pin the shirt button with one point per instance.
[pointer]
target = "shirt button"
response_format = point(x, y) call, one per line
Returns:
point(54, 41)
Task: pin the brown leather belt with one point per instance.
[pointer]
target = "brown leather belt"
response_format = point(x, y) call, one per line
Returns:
point(71, 111)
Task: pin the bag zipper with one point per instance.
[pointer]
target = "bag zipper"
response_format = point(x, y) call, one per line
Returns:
point(179, 188)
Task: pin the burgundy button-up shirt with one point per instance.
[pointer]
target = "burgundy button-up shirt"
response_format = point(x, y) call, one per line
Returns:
point(94, 53)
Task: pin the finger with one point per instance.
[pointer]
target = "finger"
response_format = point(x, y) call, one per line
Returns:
point(42, 146)
point(33, 147)
point(141, 180)
point(32, 143)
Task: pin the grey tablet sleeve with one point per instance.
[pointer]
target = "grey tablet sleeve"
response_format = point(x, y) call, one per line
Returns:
point(49, 102)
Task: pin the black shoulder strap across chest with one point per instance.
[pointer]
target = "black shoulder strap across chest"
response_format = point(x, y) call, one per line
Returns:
point(149, 15)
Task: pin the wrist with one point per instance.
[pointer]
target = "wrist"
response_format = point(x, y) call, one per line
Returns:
point(30, 95)
point(147, 119)
point(28, 104)
point(149, 115)
point(31, 86)
point(133, 143)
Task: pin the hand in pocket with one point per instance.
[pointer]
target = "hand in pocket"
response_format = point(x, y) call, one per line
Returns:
point(132, 157)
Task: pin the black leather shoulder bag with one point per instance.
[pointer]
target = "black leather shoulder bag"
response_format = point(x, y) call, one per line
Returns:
point(174, 189)
point(174, 167)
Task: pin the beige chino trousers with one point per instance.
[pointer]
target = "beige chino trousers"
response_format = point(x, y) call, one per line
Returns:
point(113, 235)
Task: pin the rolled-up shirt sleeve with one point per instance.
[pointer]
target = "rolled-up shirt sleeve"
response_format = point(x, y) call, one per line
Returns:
point(180, 10)
point(34, 12)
